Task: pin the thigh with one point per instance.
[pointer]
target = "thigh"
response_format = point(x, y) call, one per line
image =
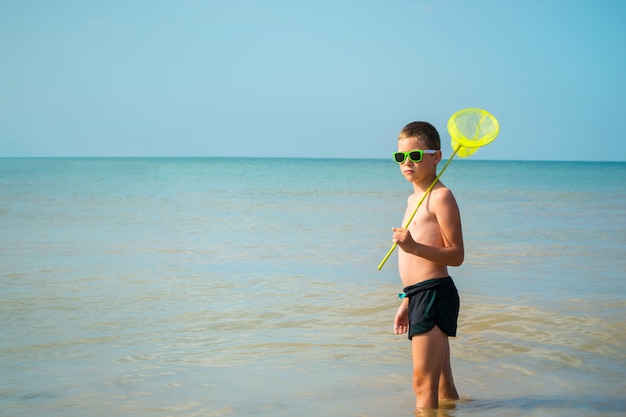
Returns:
point(429, 351)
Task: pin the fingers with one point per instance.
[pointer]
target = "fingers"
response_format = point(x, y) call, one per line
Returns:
point(400, 235)
point(399, 230)
point(400, 329)
point(400, 326)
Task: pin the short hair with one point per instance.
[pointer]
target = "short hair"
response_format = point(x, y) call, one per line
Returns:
point(422, 131)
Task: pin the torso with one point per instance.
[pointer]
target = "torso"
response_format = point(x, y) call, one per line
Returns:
point(424, 229)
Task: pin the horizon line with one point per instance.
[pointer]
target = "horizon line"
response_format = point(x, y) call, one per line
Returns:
point(280, 157)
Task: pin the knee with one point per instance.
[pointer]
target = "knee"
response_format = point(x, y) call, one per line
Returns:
point(418, 384)
point(424, 382)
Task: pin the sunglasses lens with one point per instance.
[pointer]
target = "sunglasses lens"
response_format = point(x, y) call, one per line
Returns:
point(415, 156)
point(399, 157)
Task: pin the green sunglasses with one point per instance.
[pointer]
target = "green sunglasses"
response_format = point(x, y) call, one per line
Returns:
point(415, 155)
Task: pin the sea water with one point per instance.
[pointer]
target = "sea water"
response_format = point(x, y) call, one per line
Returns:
point(248, 287)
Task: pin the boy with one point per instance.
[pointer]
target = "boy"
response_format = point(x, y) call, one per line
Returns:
point(433, 240)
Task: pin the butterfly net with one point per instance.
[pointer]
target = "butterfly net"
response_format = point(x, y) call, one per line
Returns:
point(470, 129)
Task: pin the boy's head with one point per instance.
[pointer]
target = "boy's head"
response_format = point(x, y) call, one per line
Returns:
point(423, 132)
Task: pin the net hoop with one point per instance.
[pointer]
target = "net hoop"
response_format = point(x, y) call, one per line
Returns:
point(471, 129)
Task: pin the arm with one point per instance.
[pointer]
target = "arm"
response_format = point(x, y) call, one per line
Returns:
point(451, 252)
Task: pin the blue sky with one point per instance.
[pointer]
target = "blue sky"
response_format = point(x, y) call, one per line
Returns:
point(319, 78)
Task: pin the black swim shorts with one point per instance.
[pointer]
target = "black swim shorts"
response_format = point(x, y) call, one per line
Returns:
point(433, 302)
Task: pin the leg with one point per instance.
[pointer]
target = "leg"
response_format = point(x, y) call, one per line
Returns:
point(429, 354)
point(447, 390)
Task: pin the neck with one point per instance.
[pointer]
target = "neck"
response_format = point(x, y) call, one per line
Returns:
point(423, 185)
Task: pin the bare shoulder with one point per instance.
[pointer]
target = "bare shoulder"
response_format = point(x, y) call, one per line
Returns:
point(442, 193)
point(443, 199)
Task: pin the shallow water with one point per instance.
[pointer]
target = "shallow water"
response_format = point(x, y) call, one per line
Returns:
point(208, 287)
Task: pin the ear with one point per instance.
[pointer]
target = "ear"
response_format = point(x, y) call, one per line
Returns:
point(438, 156)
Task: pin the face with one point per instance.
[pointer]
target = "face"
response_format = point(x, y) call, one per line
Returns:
point(416, 171)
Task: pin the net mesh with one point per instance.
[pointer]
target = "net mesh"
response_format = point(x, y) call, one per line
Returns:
point(470, 129)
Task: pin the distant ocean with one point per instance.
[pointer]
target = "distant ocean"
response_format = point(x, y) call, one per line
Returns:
point(248, 287)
